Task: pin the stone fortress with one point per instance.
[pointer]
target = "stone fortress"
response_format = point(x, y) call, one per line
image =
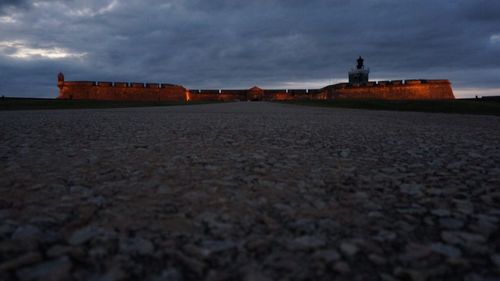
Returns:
point(358, 87)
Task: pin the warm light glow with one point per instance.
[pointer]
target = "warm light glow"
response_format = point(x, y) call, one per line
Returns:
point(188, 97)
point(20, 50)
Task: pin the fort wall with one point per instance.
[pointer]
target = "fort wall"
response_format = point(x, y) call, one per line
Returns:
point(135, 91)
point(393, 90)
point(89, 90)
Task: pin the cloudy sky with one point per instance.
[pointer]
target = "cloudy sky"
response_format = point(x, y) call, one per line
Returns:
point(241, 43)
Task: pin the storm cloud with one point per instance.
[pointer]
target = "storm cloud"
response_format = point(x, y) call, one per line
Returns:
point(233, 43)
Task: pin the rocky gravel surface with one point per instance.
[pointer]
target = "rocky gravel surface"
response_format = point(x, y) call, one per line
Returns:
point(248, 191)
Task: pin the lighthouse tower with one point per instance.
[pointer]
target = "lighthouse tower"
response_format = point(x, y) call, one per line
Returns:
point(359, 75)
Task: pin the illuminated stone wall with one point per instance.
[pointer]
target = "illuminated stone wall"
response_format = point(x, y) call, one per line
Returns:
point(386, 90)
point(393, 90)
point(120, 91)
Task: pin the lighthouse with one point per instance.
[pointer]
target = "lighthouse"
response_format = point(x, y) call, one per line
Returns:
point(359, 75)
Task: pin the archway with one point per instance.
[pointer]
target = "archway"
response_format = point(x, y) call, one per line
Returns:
point(255, 94)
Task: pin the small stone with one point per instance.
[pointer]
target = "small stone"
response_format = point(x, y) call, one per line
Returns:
point(446, 250)
point(455, 165)
point(415, 252)
point(306, 242)
point(6, 229)
point(26, 259)
point(163, 189)
point(58, 250)
point(27, 232)
point(375, 214)
point(474, 154)
point(376, 259)
point(450, 223)
point(217, 246)
point(137, 246)
point(348, 249)
point(387, 277)
point(458, 262)
point(327, 255)
point(450, 237)
point(485, 228)
point(344, 153)
point(191, 264)
point(411, 189)
point(342, 267)
point(171, 274)
point(441, 212)
point(384, 235)
point(410, 274)
point(462, 238)
point(254, 275)
point(97, 252)
point(472, 237)
point(99, 201)
point(58, 269)
point(496, 260)
point(465, 207)
point(115, 274)
point(79, 190)
point(82, 235)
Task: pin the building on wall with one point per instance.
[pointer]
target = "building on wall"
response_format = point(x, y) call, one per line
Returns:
point(359, 75)
point(358, 87)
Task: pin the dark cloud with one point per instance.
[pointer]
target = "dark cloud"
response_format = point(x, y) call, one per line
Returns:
point(480, 10)
point(7, 6)
point(231, 43)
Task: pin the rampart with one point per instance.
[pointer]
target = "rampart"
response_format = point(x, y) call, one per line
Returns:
point(393, 90)
point(87, 90)
point(386, 90)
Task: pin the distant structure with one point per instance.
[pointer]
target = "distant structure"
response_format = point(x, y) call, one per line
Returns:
point(358, 87)
point(359, 75)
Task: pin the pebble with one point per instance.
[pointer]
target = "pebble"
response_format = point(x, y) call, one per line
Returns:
point(163, 189)
point(27, 232)
point(217, 246)
point(412, 189)
point(451, 223)
point(81, 190)
point(446, 250)
point(415, 252)
point(344, 153)
point(376, 259)
point(256, 276)
point(99, 201)
point(462, 237)
point(26, 259)
point(496, 260)
point(342, 267)
point(82, 235)
point(170, 274)
point(410, 274)
point(306, 243)
point(137, 246)
point(441, 212)
point(58, 250)
point(116, 273)
point(327, 256)
point(58, 269)
point(348, 249)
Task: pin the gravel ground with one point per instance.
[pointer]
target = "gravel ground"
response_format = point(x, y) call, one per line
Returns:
point(248, 191)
